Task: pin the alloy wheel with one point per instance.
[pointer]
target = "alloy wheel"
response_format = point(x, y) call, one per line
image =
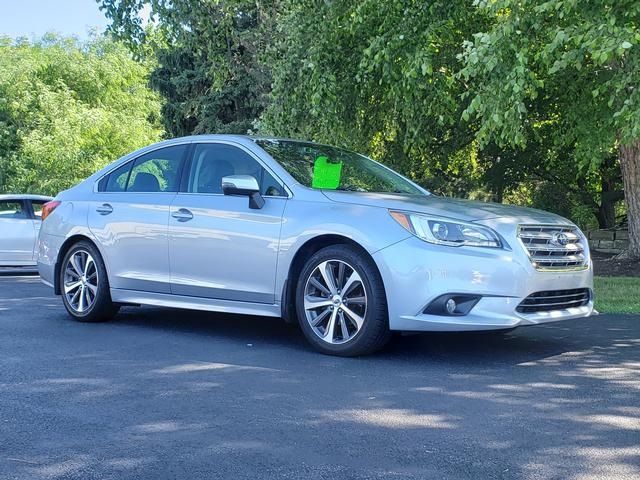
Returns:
point(335, 301)
point(81, 281)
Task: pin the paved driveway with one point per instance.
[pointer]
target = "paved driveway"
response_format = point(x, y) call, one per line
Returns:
point(175, 394)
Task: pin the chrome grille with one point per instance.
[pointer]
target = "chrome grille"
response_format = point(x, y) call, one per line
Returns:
point(550, 300)
point(552, 247)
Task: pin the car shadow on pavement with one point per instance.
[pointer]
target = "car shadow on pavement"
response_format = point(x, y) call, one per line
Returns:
point(512, 347)
point(179, 394)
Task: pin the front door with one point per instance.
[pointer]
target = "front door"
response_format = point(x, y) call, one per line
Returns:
point(218, 247)
point(129, 216)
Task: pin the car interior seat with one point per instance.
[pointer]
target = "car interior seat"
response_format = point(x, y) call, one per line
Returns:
point(212, 170)
point(145, 182)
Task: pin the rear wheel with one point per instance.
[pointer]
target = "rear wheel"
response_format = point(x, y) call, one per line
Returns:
point(341, 303)
point(85, 286)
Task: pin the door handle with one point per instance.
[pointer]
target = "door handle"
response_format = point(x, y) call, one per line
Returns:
point(182, 215)
point(104, 209)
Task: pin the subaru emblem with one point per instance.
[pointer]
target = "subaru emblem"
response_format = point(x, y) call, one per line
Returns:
point(559, 239)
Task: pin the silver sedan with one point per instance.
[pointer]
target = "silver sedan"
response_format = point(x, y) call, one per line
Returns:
point(316, 234)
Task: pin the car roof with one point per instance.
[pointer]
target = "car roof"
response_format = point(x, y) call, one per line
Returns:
point(23, 196)
point(231, 137)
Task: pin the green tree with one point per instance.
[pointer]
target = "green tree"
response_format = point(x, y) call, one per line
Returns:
point(208, 55)
point(573, 65)
point(378, 77)
point(68, 108)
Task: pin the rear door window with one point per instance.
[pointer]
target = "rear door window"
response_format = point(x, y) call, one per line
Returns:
point(12, 209)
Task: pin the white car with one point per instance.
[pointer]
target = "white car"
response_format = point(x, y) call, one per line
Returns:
point(20, 219)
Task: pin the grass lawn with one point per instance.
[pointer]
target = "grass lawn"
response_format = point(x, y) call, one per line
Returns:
point(617, 294)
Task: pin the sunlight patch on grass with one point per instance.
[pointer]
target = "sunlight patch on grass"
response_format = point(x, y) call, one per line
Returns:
point(617, 294)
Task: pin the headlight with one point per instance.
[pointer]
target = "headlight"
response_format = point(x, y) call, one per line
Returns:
point(446, 232)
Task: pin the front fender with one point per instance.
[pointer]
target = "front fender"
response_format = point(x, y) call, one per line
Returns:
point(370, 227)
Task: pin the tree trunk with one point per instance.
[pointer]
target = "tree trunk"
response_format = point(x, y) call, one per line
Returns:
point(607, 209)
point(630, 166)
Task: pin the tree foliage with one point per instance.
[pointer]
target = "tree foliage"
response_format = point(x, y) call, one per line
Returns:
point(67, 109)
point(573, 65)
point(208, 71)
point(379, 77)
point(566, 62)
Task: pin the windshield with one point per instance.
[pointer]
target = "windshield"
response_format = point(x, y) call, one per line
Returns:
point(331, 168)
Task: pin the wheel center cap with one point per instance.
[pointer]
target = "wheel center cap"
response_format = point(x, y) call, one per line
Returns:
point(336, 299)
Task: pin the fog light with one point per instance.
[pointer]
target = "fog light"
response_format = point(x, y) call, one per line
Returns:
point(451, 306)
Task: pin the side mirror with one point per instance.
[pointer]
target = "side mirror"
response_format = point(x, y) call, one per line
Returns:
point(245, 185)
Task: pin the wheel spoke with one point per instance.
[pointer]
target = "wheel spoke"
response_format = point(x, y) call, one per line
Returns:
point(81, 300)
point(69, 287)
point(318, 320)
point(355, 300)
point(92, 288)
point(328, 333)
point(311, 302)
point(340, 280)
point(71, 272)
point(327, 275)
point(313, 281)
point(353, 279)
point(353, 316)
point(75, 296)
point(343, 327)
point(87, 297)
point(88, 264)
point(76, 266)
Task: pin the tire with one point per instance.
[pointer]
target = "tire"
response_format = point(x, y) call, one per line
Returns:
point(358, 328)
point(83, 269)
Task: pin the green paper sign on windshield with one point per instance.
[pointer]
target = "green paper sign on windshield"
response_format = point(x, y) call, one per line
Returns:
point(326, 174)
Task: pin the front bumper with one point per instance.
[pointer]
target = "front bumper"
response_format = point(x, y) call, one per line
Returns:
point(415, 272)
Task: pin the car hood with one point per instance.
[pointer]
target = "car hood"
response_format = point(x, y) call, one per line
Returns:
point(465, 210)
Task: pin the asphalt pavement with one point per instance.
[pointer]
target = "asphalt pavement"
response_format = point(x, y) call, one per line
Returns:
point(163, 394)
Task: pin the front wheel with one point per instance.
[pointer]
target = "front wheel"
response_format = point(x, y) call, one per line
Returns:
point(85, 286)
point(341, 302)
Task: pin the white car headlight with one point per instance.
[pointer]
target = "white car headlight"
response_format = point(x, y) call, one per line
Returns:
point(443, 231)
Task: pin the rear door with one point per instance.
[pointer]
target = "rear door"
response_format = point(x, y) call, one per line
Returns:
point(129, 216)
point(220, 248)
point(17, 233)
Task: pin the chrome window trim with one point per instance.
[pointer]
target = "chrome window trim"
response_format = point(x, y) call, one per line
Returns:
point(223, 195)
